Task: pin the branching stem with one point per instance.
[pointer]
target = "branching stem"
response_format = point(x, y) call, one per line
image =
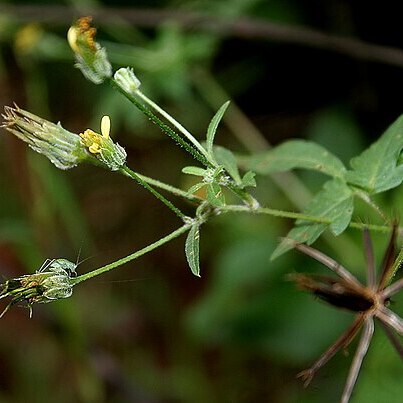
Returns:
point(128, 172)
point(133, 256)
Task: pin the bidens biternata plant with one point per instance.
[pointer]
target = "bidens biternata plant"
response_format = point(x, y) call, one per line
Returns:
point(221, 188)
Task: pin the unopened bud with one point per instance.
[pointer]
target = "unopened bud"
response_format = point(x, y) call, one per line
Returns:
point(127, 80)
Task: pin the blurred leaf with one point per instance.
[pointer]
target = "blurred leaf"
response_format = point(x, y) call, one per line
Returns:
point(197, 171)
point(295, 154)
point(227, 159)
point(192, 249)
point(215, 195)
point(212, 128)
point(377, 169)
point(335, 203)
point(248, 180)
point(308, 234)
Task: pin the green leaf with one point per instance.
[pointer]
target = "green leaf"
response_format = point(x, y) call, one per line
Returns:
point(212, 128)
point(192, 249)
point(302, 234)
point(334, 203)
point(215, 195)
point(377, 169)
point(197, 171)
point(227, 159)
point(295, 154)
point(248, 180)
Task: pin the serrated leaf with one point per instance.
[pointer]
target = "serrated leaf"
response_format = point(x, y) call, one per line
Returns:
point(212, 128)
point(248, 180)
point(377, 169)
point(192, 249)
point(227, 159)
point(295, 154)
point(334, 203)
point(197, 171)
point(215, 195)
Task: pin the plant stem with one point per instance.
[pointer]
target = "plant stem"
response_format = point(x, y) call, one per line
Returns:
point(131, 257)
point(367, 199)
point(170, 119)
point(195, 153)
point(171, 189)
point(128, 172)
point(300, 216)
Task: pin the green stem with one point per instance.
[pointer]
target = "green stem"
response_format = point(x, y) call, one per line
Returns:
point(246, 197)
point(367, 199)
point(174, 122)
point(131, 257)
point(300, 216)
point(128, 172)
point(171, 189)
point(164, 127)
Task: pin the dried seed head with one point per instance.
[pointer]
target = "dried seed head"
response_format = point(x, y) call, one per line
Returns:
point(62, 147)
point(51, 282)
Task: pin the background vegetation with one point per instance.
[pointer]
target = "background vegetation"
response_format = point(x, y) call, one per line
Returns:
point(150, 331)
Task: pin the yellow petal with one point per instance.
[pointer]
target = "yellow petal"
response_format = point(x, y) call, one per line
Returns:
point(105, 126)
point(72, 39)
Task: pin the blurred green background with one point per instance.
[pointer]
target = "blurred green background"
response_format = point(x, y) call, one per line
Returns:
point(150, 331)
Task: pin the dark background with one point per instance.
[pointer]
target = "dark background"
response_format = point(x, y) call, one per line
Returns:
point(150, 331)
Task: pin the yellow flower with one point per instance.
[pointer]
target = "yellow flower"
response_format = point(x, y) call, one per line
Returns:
point(82, 35)
point(91, 58)
point(102, 146)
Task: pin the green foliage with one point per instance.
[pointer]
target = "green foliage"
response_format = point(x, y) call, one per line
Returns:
point(333, 203)
point(192, 249)
point(248, 302)
point(212, 128)
point(378, 168)
point(293, 154)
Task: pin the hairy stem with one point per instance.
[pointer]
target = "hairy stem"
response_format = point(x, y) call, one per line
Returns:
point(164, 127)
point(128, 172)
point(133, 256)
point(171, 189)
point(367, 199)
point(300, 216)
point(175, 123)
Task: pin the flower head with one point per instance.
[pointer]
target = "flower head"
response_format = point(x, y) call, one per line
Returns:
point(368, 302)
point(62, 147)
point(91, 58)
point(102, 147)
point(52, 281)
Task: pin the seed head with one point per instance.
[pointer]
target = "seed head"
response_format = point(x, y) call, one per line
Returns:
point(62, 147)
point(52, 281)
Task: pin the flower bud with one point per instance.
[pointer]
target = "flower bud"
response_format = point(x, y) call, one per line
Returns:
point(127, 80)
point(91, 58)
